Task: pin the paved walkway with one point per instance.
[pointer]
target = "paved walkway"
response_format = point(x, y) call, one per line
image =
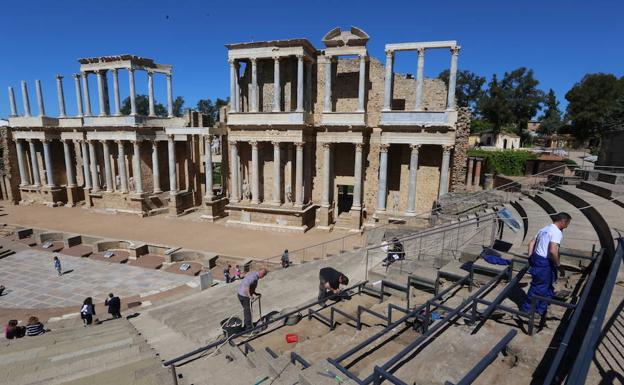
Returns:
point(160, 229)
point(33, 283)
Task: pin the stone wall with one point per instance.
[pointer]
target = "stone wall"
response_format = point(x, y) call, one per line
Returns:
point(8, 166)
point(459, 160)
point(265, 72)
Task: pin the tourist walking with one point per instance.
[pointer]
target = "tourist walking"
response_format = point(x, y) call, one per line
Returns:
point(330, 280)
point(87, 311)
point(57, 265)
point(544, 262)
point(114, 305)
point(285, 259)
point(237, 272)
point(246, 291)
point(226, 273)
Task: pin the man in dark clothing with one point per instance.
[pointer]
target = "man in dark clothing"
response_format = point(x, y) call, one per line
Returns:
point(330, 280)
point(226, 274)
point(114, 305)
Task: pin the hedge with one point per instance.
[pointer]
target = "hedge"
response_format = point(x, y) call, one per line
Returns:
point(506, 162)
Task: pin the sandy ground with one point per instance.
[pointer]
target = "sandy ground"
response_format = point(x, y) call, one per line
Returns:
point(213, 237)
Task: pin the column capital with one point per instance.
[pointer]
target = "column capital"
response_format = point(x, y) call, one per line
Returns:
point(119, 141)
point(77, 75)
point(359, 146)
point(384, 147)
point(326, 145)
point(59, 77)
point(233, 142)
point(363, 57)
point(150, 73)
point(299, 144)
point(277, 58)
point(45, 140)
point(253, 60)
point(209, 137)
point(100, 72)
point(232, 61)
point(389, 54)
point(415, 147)
point(421, 51)
point(447, 148)
point(131, 70)
point(114, 70)
point(253, 143)
point(276, 144)
point(455, 50)
point(300, 56)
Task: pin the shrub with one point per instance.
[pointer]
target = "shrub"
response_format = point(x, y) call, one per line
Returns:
point(506, 162)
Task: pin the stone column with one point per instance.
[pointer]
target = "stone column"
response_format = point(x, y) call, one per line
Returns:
point(357, 186)
point(383, 180)
point(12, 102)
point(234, 168)
point(413, 176)
point(108, 171)
point(444, 170)
point(47, 160)
point(34, 163)
point(173, 174)
point(136, 160)
point(469, 173)
point(277, 174)
point(40, 103)
point(116, 92)
point(208, 166)
point(255, 173)
point(101, 97)
point(450, 103)
point(237, 86)
point(326, 173)
point(95, 181)
point(299, 188)
point(233, 81)
point(133, 108)
point(69, 168)
point(155, 167)
point(61, 96)
point(477, 174)
point(21, 164)
point(388, 82)
point(25, 100)
point(121, 164)
point(308, 96)
point(362, 84)
point(299, 83)
point(85, 164)
point(85, 89)
point(169, 95)
point(79, 110)
point(277, 86)
point(420, 79)
point(327, 105)
point(150, 92)
point(254, 85)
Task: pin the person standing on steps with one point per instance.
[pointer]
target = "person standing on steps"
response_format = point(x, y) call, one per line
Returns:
point(544, 262)
point(57, 265)
point(246, 291)
point(87, 311)
point(285, 259)
point(330, 280)
point(226, 273)
point(114, 305)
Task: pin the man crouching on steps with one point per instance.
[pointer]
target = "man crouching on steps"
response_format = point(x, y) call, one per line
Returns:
point(246, 290)
point(330, 280)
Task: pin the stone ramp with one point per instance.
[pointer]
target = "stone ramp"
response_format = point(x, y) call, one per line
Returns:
point(537, 219)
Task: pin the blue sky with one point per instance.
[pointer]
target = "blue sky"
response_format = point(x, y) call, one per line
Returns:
point(560, 40)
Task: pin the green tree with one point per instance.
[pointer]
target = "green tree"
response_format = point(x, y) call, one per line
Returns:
point(178, 106)
point(495, 107)
point(210, 108)
point(468, 90)
point(142, 106)
point(551, 121)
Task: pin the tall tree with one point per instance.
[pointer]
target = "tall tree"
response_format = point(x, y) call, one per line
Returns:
point(525, 99)
point(495, 107)
point(142, 106)
point(178, 106)
point(551, 121)
point(468, 90)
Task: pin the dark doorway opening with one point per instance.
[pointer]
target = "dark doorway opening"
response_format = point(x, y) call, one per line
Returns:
point(345, 198)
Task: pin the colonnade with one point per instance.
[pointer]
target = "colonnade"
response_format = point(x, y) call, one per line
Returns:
point(473, 178)
point(327, 102)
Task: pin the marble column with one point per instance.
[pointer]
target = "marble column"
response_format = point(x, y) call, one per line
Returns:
point(101, 97)
point(47, 160)
point(327, 104)
point(477, 174)
point(234, 171)
point(34, 163)
point(254, 85)
point(299, 83)
point(40, 103)
point(69, 167)
point(362, 84)
point(173, 173)
point(420, 79)
point(383, 177)
point(169, 95)
point(308, 96)
point(326, 174)
point(116, 96)
point(21, 162)
point(277, 174)
point(299, 189)
point(444, 170)
point(450, 103)
point(357, 185)
point(277, 86)
point(155, 167)
point(121, 165)
point(95, 180)
point(108, 171)
point(136, 161)
point(12, 103)
point(85, 164)
point(61, 96)
point(150, 93)
point(133, 107)
point(388, 82)
point(208, 166)
point(233, 81)
point(413, 176)
point(79, 109)
point(25, 99)
point(255, 173)
point(469, 173)
point(85, 91)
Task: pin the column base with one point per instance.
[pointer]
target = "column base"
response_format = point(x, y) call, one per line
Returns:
point(326, 216)
point(72, 196)
point(214, 208)
point(410, 213)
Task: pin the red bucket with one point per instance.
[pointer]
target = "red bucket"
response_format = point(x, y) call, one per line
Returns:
point(291, 338)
